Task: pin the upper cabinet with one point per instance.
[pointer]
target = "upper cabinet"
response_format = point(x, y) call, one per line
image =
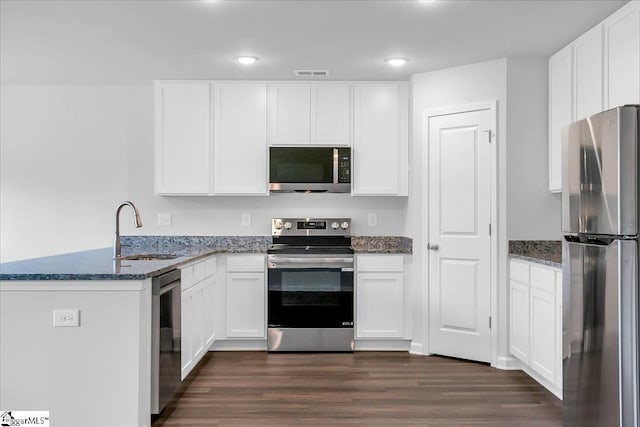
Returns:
point(309, 113)
point(622, 56)
point(560, 110)
point(182, 138)
point(240, 138)
point(598, 71)
point(380, 138)
point(212, 138)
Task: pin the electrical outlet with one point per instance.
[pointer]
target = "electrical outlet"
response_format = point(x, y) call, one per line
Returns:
point(164, 218)
point(246, 219)
point(66, 318)
point(372, 219)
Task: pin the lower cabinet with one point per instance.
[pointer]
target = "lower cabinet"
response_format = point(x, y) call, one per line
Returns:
point(536, 322)
point(380, 298)
point(198, 330)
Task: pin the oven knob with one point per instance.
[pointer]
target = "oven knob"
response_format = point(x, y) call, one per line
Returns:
point(335, 225)
point(345, 225)
point(278, 225)
point(288, 225)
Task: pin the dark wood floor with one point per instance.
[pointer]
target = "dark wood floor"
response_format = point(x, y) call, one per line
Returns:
point(365, 388)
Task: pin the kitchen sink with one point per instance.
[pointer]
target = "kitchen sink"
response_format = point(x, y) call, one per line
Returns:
point(148, 257)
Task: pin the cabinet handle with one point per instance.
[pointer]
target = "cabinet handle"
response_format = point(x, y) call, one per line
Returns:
point(433, 246)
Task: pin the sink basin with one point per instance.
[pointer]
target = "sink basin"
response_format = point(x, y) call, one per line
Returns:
point(149, 257)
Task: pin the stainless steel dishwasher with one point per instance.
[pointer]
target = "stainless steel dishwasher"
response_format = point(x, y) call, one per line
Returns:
point(165, 339)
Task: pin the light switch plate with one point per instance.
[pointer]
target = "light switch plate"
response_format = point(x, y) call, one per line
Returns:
point(164, 218)
point(372, 219)
point(64, 318)
point(246, 219)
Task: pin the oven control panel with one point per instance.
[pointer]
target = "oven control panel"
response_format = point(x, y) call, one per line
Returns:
point(311, 227)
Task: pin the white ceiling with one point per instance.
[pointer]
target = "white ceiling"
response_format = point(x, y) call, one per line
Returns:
point(128, 42)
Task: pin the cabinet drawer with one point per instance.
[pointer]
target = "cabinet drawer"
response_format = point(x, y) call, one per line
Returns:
point(246, 263)
point(186, 277)
point(543, 278)
point(198, 272)
point(379, 263)
point(210, 267)
point(519, 271)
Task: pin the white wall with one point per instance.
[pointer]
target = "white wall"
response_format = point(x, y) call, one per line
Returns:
point(70, 154)
point(533, 213)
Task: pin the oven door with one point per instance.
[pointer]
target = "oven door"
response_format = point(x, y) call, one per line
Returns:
point(310, 291)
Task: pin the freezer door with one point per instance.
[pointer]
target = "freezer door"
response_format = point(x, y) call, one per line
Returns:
point(599, 174)
point(600, 368)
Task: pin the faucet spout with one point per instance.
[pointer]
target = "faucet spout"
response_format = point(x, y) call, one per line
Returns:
point(117, 248)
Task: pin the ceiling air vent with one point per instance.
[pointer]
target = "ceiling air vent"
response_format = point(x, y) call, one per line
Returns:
point(312, 73)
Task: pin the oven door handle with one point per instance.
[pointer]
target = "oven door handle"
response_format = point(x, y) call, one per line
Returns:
point(293, 262)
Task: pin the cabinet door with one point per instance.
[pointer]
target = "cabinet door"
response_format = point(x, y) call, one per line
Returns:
point(289, 113)
point(543, 335)
point(331, 114)
point(240, 142)
point(245, 310)
point(209, 312)
point(376, 139)
point(187, 320)
point(622, 56)
point(560, 110)
point(197, 337)
point(519, 324)
point(587, 60)
point(379, 305)
point(182, 138)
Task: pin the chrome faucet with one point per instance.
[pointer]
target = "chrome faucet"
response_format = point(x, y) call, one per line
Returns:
point(117, 249)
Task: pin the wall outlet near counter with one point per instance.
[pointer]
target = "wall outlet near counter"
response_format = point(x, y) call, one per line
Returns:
point(164, 218)
point(63, 318)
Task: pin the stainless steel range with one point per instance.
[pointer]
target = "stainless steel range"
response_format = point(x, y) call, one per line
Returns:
point(310, 285)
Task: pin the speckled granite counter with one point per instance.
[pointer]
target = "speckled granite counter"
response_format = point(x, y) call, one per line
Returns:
point(98, 264)
point(382, 244)
point(547, 252)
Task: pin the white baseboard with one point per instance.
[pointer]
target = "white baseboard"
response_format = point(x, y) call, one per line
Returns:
point(381, 345)
point(509, 363)
point(239, 345)
point(418, 349)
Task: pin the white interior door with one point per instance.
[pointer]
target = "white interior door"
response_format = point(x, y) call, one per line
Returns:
point(459, 234)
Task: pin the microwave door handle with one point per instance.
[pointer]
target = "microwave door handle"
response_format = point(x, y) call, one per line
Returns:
point(336, 161)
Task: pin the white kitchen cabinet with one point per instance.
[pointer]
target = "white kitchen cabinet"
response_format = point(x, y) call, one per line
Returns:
point(309, 113)
point(535, 332)
point(587, 66)
point(519, 321)
point(379, 296)
point(622, 56)
point(182, 138)
point(598, 71)
point(380, 139)
point(198, 329)
point(240, 138)
point(245, 296)
point(560, 110)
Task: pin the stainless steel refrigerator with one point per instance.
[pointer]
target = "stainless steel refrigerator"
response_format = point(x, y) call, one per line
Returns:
point(600, 208)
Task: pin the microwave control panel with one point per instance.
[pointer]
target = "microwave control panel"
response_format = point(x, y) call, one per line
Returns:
point(344, 165)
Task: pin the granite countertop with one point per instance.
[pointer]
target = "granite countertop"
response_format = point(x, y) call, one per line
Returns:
point(547, 252)
point(98, 264)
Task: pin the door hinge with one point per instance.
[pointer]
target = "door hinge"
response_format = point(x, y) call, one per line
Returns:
point(490, 135)
point(489, 322)
point(489, 229)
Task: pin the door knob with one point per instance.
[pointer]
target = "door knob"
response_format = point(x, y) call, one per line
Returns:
point(433, 246)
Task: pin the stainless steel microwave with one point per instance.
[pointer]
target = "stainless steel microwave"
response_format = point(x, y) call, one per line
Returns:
point(310, 169)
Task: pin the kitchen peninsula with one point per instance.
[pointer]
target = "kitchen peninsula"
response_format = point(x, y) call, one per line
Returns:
point(99, 372)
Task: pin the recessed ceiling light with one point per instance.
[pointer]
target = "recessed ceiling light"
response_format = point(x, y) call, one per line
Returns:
point(246, 60)
point(396, 62)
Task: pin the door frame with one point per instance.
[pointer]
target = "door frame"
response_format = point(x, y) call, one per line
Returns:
point(492, 106)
